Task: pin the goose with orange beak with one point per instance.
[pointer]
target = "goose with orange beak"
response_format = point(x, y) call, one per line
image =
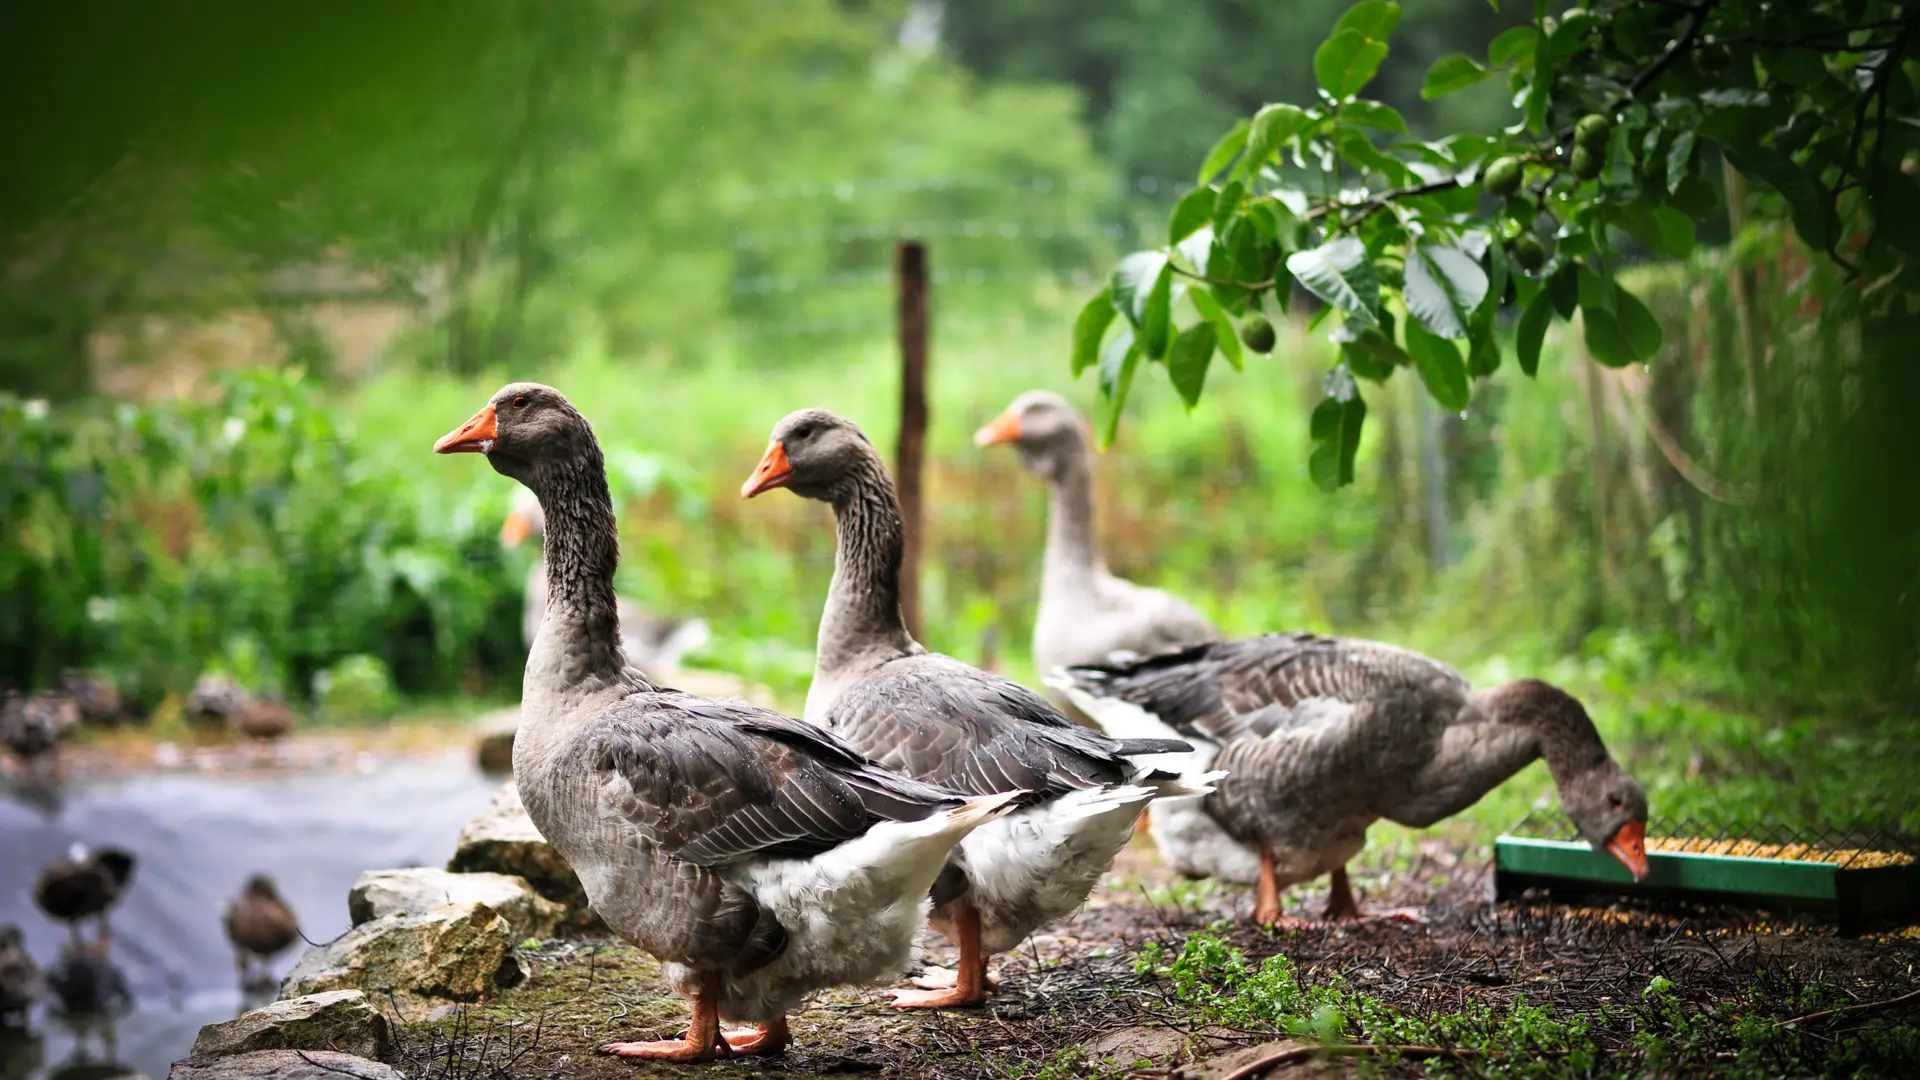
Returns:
point(1322, 736)
point(939, 720)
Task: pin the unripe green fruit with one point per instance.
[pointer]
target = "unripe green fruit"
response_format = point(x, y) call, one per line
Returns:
point(1503, 177)
point(1592, 131)
point(1584, 163)
point(1529, 252)
point(1257, 332)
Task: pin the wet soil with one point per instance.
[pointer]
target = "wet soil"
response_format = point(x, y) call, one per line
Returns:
point(1072, 1003)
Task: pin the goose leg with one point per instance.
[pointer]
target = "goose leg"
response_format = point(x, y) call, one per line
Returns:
point(106, 935)
point(763, 1040)
point(1266, 894)
point(969, 983)
point(1340, 901)
point(702, 1041)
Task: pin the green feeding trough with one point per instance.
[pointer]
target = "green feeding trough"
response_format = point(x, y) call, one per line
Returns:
point(1860, 879)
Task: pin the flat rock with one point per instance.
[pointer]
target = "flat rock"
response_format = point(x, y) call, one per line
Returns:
point(493, 743)
point(283, 1065)
point(502, 840)
point(339, 1020)
point(1130, 1045)
point(418, 890)
point(464, 952)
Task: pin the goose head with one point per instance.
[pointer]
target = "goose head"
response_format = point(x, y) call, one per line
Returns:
point(1046, 432)
point(1609, 808)
point(813, 452)
point(525, 431)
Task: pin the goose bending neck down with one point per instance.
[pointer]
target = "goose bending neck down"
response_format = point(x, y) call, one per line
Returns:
point(942, 721)
point(1323, 736)
point(1086, 614)
point(760, 858)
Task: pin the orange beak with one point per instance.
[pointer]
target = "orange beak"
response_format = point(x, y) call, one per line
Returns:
point(773, 471)
point(1005, 428)
point(1629, 845)
point(518, 525)
point(476, 436)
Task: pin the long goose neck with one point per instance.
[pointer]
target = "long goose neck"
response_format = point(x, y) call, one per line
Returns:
point(1071, 554)
point(1567, 739)
point(579, 643)
point(863, 617)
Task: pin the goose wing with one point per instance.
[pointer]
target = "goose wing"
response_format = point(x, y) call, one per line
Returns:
point(943, 721)
point(715, 783)
point(1252, 687)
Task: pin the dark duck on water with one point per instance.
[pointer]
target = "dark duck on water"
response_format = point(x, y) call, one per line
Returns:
point(84, 885)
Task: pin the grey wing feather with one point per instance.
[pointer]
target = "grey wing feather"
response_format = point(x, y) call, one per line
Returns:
point(726, 781)
point(1209, 689)
point(935, 718)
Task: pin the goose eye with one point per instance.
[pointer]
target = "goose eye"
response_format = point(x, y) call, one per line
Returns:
point(520, 403)
point(1617, 800)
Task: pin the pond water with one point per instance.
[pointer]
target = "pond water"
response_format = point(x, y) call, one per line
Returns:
point(196, 838)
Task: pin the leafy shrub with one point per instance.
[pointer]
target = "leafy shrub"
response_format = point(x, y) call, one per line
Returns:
point(249, 533)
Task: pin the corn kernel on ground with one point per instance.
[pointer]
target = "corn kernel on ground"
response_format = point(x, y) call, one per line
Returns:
point(1852, 858)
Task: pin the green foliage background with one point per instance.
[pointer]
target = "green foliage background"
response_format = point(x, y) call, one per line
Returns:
point(684, 215)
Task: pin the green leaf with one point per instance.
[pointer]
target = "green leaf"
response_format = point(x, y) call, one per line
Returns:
point(1372, 18)
point(1346, 62)
point(1339, 273)
point(1273, 125)
point(1483, 350)
point(1639, 325)
point(1451, 73)
point(1335, 429)
point(1676, 231)
point(1113, 391)
point(1114, 360)
point(1360, 152)
point(1230, 144)
point(1229, 338)
point(1813, 214)
point(1619, 328)
point(1564, 287)
point(1571, 35)
point(1444, 286)
point(1679, 160)
point(1190, 213)
point(1226, 205)
point(1156, 318)
point(1532, 332)
point(1439, 365)
point(1089, 327)
point(1514, 47)
point(1188, 358)
point(1374, 114)
point(1133, 279)
point(1606, 341)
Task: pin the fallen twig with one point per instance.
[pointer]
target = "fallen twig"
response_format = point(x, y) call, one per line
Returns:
point(1291, 1054)
point(1865, 1006)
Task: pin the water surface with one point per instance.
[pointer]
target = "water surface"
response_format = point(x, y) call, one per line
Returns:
point(196, 839)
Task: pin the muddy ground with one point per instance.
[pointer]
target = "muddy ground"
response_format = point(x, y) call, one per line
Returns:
point(1072, 1003)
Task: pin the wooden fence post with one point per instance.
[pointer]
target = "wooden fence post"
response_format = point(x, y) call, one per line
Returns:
point(910, 275)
